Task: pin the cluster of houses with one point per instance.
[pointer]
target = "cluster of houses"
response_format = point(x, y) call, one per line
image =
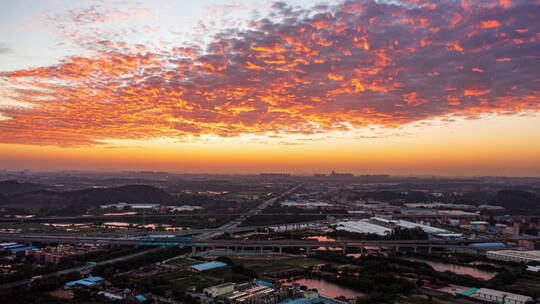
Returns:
point(111, 293)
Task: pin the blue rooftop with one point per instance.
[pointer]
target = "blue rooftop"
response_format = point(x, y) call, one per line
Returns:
point(208, 265)
point(264, 283)
point(496, 244)
point(322, 300)
point(319, 299)
point(295, 301)
point(94, 279)
point(90, 281)
point(17, 249)
point(141, 298)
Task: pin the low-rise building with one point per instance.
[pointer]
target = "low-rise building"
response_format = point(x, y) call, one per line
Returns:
point(184, 208)
point(305, 204)
point(207, 266)
point(533, 268)
point(497, 296)
point(515, 255)
point(88, 282)
point(219, 290)
point(144, 206)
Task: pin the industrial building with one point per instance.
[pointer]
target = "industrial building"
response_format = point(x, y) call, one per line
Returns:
point(305, 204)
point(515, 255)
point(219, 290)
point(88, 282)
point(16, 247)
point(496, 296)
point(207, 266)
point(363, 226)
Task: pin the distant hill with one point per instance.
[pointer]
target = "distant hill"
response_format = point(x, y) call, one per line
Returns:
point(516, 200)
point(13, 187)
point(93, 196)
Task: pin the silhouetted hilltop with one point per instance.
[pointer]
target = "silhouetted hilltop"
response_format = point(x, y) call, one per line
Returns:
point(516, 200)
point(13, 187)
point(94, 196)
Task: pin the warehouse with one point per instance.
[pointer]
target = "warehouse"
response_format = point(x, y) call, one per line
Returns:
point(207, 266)
point(515, 255)
point(363, 226)
point(497, 296)
point(219, 290)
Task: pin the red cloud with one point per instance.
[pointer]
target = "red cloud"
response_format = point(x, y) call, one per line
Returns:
point(353, 65)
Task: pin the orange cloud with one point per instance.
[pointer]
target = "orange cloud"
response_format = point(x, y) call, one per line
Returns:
point(490, 24)
point(295, 73)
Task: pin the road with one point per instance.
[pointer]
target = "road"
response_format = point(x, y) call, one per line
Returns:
point(179, 241)
point(234, 223)
point(80, 268)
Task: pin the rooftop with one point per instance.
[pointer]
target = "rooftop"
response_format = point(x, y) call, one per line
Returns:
point(90, 281)
point(208, 265)
point(468, 292)
point(363, 226)
point(502, 294)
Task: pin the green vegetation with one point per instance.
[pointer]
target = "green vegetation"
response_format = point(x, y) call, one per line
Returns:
point(109, 270)
point(35, 292)
point(257, 267)
point(28, 269)
point(516, 280)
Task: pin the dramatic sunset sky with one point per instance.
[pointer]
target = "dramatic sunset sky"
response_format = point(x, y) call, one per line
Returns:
point(365, 86)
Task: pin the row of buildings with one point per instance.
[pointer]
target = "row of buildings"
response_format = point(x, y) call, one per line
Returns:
point(495, 296)
point(149, 206)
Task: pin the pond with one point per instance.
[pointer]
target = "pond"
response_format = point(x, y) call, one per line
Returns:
point(327, 289)
point(442, 267)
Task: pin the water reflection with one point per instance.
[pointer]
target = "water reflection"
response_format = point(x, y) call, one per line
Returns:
point(442, 267)
point(320, 238)
point(327, 289)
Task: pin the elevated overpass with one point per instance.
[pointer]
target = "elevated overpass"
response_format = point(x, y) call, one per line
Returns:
point(242, 245)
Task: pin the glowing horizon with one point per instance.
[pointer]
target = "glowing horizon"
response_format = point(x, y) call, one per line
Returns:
point(407, 87)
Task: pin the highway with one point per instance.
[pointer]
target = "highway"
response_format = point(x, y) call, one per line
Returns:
point(247, 243)
point(234, 223)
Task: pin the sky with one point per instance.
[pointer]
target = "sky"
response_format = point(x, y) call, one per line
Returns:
point(406, 87)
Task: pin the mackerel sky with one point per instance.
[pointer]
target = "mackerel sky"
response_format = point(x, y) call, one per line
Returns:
point(115, 74)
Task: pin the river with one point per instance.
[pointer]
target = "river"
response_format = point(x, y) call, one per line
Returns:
point(442, 267)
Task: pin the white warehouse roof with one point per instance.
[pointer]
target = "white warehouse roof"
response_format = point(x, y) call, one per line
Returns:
point(363, 226)
point(426, 228)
